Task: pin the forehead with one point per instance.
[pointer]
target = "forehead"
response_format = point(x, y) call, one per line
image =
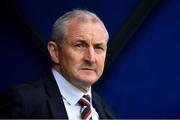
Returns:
point(87, 31)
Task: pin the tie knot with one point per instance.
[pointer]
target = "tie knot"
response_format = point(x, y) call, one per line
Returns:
point(85, 100)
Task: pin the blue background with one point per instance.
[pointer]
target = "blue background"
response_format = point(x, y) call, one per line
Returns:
point(142, 82)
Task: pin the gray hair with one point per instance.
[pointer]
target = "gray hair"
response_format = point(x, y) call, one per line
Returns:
point(60, 26)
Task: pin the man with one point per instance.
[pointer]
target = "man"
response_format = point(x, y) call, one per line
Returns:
point(77, 50)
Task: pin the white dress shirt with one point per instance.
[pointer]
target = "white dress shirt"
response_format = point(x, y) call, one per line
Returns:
point(71, 95)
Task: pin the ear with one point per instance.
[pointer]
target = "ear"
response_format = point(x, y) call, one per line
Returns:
point(53, 51)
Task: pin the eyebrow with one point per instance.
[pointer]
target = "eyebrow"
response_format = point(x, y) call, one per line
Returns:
point(81, 40)
point(85, 41)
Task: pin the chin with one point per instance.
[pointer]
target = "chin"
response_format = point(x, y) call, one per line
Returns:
point(89, 80)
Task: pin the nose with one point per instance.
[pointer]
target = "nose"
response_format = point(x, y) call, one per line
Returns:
point(90, 55)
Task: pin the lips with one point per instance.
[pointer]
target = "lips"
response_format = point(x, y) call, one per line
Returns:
point(91, 69)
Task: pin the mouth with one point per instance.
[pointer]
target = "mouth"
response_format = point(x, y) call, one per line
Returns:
point(89, 69)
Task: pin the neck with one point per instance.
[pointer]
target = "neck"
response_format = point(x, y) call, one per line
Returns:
point(80, 86)
point(84, 89)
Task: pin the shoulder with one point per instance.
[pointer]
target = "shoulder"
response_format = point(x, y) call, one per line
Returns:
point(22, 100)
point(22, 92)
point(26, 91)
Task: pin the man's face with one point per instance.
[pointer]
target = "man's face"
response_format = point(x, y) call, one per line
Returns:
point(82, 54)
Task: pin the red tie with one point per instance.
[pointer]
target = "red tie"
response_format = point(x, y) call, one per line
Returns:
point(85, 108)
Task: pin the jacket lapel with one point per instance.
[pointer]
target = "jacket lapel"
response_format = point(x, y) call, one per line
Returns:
point(57, 109)
point(97, 103)
point(102, 109)
point(55, 100)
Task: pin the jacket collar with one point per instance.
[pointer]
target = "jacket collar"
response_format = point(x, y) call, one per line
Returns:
point(55, 100)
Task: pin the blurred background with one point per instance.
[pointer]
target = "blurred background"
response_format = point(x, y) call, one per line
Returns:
point(142, 74)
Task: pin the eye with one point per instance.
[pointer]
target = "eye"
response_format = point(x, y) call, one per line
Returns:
point(79, 45)
point(99, 47)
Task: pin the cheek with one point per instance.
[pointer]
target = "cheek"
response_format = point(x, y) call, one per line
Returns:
point(101, 63)
point(73, 60)
point(66, 61)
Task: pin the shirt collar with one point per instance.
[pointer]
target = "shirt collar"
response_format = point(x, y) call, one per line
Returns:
point(68, 91)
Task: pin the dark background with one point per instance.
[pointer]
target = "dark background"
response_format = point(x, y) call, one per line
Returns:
point(141, 81)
